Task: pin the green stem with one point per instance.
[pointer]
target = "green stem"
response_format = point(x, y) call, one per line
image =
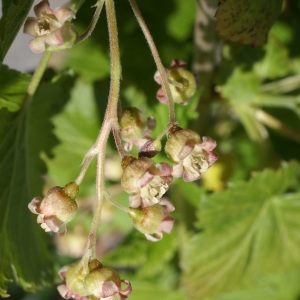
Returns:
point(159, 65)
point(117, 204)
point(276, 124)
point(93, 23)
point(38, 74)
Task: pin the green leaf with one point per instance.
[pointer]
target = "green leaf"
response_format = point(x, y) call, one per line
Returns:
point(148, 291)
point(150, 258)
point(14, 14)
point(249, 230)
point(245, 21)
point(91, 67)
point(242, 90)
point(277, 286)
point(76, 126)
point(13, 85)
point(180, 23)
point(24, 136)
point(275, 62)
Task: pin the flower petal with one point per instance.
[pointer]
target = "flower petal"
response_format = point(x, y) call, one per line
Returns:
point(190, 175)
point(154, 237)
point(178, 63)
point(63, 14)
point(157, 77)
point(186, 150)
point(64, 291)
point(212, 157)
point(62, 272)
point(167, 224)
point(165, 169)
point(208, 144)
point(34, 204)
point(177, 170)
point(30, 26)
point(168, 206)
point(109, 288)
point(37, 45)
point(145, 179)
point(127, 290)
point(135, 200)
point(43, 8)
point(54, 38)
point(160, 95)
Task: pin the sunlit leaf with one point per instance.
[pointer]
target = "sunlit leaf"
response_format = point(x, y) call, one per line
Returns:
point(249, 230)
point(277, 286)
point(149, 258)
point(247, 21)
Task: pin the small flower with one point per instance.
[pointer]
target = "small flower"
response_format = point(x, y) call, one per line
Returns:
point(135, 127)
point(57, 208)
point(51, 29)
point(153, 220)
point(105, 283)
point(192, 155)
point(74, 286)
point(146, 181)
point(182, 83)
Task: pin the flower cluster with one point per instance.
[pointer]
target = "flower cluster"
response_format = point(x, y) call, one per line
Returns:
point(147, 182)
point(95, 281)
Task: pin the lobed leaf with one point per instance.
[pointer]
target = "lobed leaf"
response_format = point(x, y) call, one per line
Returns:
point(24, 135)
point(249, 230)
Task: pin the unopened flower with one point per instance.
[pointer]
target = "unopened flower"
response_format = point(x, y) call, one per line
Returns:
point(146, 181)
point(51, 29)
point(74, 286)
point(191, 154)
point(182, 83)
point(153, 220)
point(57, 208)
point(135, 127)
point(105, 283)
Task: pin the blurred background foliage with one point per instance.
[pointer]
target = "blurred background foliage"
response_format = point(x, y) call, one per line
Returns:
point(237, 229)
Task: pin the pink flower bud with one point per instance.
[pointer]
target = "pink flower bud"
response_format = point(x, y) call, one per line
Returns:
point(146, 181)
point(103, 282)
point(191, 155)
point(57, 208)
point(51, 29)
point(182, 83)
point(135, 127)
point(74, 286)
point(153, 220)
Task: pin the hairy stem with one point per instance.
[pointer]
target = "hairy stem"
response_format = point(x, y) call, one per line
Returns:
point(157, 59)
point(110, 122)
point(93, 23)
